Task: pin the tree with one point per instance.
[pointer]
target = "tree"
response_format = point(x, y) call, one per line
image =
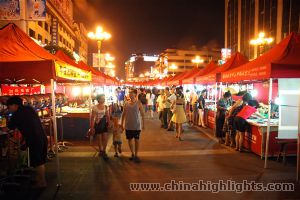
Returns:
point(54, 48)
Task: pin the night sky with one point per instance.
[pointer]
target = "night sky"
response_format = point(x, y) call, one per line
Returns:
point(150, 26)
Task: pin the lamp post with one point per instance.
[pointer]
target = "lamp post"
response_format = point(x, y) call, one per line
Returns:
point(197, 60)
point(99, 36)
point(173, 67)
point(261, 41)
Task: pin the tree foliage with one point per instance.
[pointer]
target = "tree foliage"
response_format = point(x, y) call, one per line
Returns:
point(54, 48)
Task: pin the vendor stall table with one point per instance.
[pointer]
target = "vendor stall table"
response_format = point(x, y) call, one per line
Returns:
point(210, 118)
point(256, 140)
point(75, 126)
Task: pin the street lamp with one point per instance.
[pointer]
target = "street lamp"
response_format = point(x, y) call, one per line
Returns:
point(173, 67)
point(261, 41)
point(112, 72)
point(109, 58)
point(99, 36)
point(197, 60)
point(110, 65)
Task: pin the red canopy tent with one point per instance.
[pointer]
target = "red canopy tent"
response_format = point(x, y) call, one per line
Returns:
point(215, 76)
point(191, 77)
point(164, 81)
point(178, 78)
point(22, 59)
point(174, 77)
point(282, 61)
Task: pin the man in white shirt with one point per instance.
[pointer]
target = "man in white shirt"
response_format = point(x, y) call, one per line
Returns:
point(167, 111)
point(160, 106)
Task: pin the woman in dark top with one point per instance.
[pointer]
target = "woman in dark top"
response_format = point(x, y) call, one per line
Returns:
point(26, 120)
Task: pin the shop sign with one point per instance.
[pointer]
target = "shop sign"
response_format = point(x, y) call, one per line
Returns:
point(65, 8)
point(246, 74)
point(207, 78)
point(66, 71)
point(8, 90)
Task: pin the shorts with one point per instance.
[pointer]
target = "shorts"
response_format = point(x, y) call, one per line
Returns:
point(241, 124)
point(130, 134)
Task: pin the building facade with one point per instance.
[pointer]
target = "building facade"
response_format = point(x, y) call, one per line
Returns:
point(183, 60)
point(140, 67)
point(58, 27)
point(245, 19)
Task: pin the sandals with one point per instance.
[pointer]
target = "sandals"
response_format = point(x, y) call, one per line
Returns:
point(104, 156)
point(132, 157)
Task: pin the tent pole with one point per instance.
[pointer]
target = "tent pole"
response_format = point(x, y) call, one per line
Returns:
point(215, 113)
point(90, 100)
point(207, 92)
point(268, 127)
point(55, 132)
point(298, 158)
point(298, 147)
point(220, 91)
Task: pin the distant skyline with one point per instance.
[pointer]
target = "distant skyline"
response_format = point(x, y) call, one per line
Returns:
point(150, 26)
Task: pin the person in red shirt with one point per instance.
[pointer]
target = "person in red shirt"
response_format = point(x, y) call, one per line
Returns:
point(241, 123)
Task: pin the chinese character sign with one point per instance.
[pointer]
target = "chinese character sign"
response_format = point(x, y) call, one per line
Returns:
point(36, 10)
point(9, 9)
point(71, 73)
point(7, 90)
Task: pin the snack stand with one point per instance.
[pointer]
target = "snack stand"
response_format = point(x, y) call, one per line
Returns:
point(212, 78)
point(282, 61)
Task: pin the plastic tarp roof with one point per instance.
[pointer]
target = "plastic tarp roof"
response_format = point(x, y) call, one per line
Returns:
point(21, 59)
point(191, 78)
point(215, 76)
point(282, 61)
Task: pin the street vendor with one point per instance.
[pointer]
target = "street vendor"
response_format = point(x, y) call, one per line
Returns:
point(222, 107)
point(26, 120)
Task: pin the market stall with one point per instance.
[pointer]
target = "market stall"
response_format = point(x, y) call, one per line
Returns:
point(23, 61)
point(282, 61)
point(212, 79)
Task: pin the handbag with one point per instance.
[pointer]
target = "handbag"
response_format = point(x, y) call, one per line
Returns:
point(101, 126)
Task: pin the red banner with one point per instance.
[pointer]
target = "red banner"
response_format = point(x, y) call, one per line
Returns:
point(242, 74)
point(17, 90)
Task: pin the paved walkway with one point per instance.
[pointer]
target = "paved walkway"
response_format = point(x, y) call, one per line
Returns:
point(85, 176)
